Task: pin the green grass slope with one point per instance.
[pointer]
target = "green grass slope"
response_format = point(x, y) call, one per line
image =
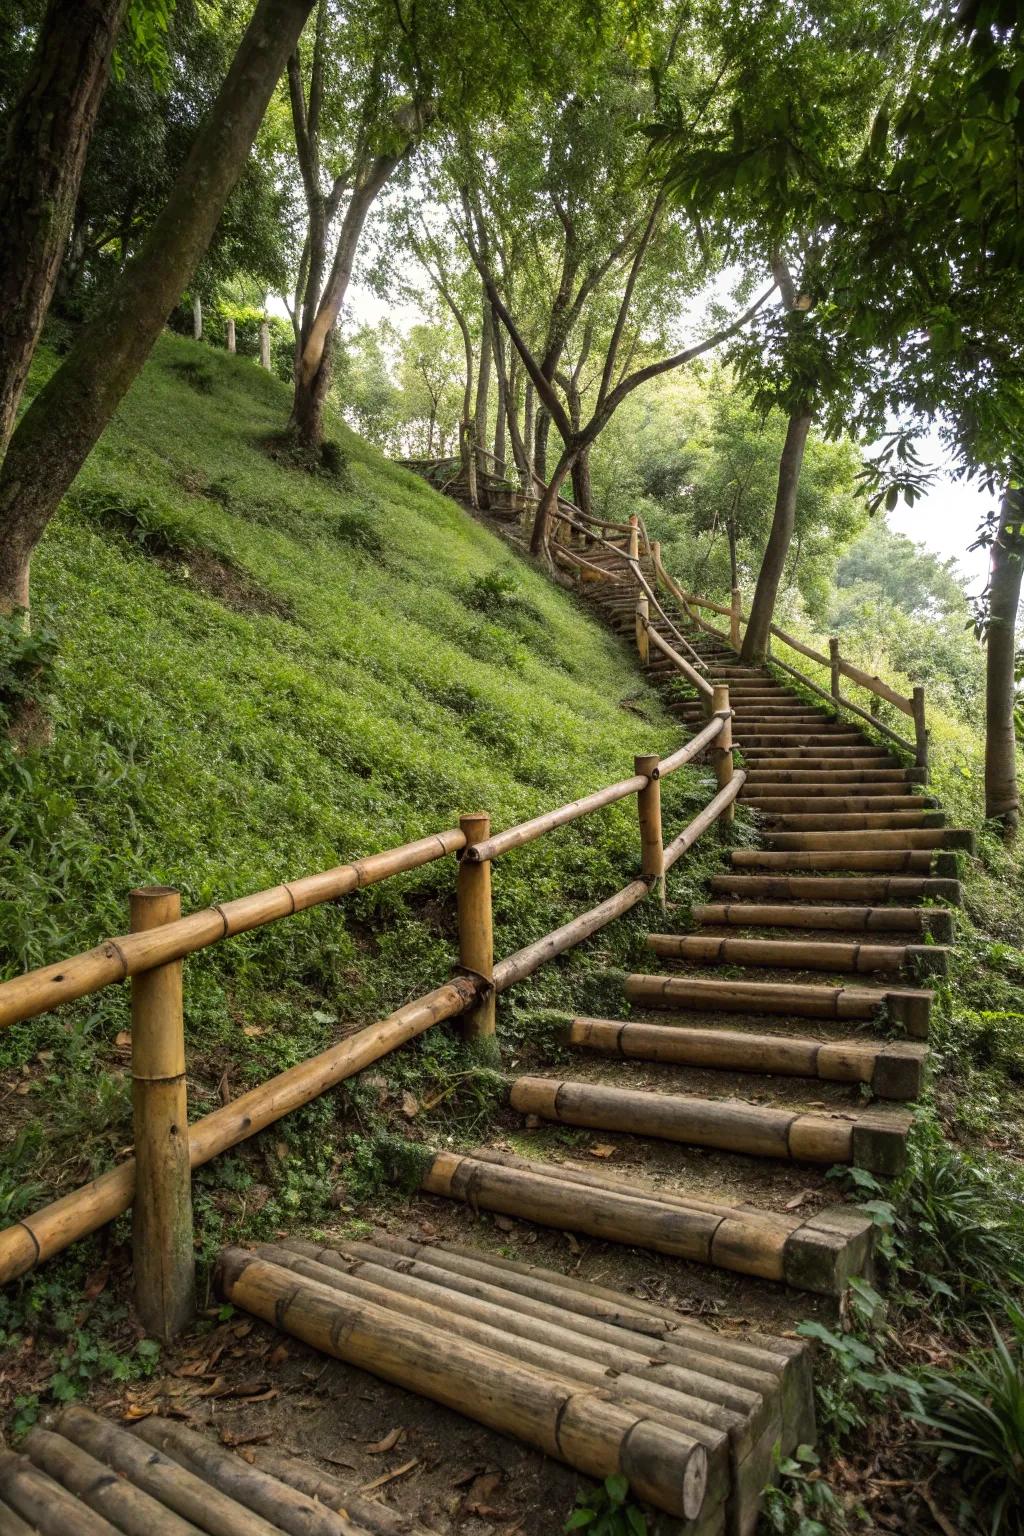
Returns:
point(261, 673)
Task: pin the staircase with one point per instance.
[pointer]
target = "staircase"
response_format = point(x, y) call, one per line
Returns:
point(779, 1031)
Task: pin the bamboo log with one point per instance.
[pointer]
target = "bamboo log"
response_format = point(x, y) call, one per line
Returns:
point(847, 704)
point(50, 1229)
point(835, 666)
point(721, 752)
point(589, 1300)
point(12, 1524)
point(532, 956)
point(694, 1351)
point(686, 1401)
point(701, 684)
point(681, 1231)
point(49, 1509)
point(875, 686)
point(692, 749)
point(527, 831)
point(132, 1511)
point(643, 624)
point(375, 1518)
point(116, 959)
point(167, 1482)
point(731, 1126)
point(707, 817)
point(920, 730)
point(634, 538)
point(163, 1257)
point(652, 851)
point(476, 927)
point(798, 645)
point(282, 1505)
point(575, 1425)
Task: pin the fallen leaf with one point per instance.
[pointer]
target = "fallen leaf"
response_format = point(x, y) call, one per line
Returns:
point(601, 1149)
point(504, 1224)
point(22, 1089)
point(194, 1368)
point(410, 1105)
point(574, 1246)
point(136, 1411)
point(123, 1037)
point(241, 1437)
point(388, 1443)
point(278, 1356)
point(805, 1194)
point(252, 1030)
point(96, 1283)
point(389, 1477)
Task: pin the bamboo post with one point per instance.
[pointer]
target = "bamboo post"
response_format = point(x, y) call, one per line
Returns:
point(634, 538)
point(833, 656)
point(264, 344)
point(643, 616)
point(476, 926)
point(162, 1213)
point(921, 728)
point(735, 638)
point(652, 842)
point(721, 752)
point(231, 334)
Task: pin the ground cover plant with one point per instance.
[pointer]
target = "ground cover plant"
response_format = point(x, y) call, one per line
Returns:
point(250, 672)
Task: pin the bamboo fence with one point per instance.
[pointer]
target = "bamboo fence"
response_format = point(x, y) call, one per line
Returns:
point(156, 1183)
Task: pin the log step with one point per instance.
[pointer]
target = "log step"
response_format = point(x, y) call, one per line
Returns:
point(936, 921)
point(596, 1379)
point(892, 1069)
point(88, 1477)
point(837, 786)
point(871, 888)
point(844, 773)
point(853, 821)
point(948, 837)
point(839, 805)
point(909, 1007)
point(920, 861)
point(874, 1139)
point(801, 954)
point(816, 1254)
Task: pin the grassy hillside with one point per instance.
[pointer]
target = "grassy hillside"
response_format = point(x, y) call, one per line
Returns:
point(260, 673)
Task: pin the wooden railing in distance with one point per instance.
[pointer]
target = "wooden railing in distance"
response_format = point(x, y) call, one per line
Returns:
point(156, 1183)
point(839, 666)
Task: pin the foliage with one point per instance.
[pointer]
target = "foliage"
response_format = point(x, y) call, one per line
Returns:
point(977, 1414)
point(792, 1506)
point(607, 1511)
point(26, 663)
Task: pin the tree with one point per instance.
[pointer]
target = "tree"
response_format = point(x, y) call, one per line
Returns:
point(68, 414)
point(48, 134)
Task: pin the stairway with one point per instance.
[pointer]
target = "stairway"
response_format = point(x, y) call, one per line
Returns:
point(779, 1031)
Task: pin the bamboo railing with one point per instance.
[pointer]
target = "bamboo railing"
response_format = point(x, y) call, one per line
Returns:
point(156, 1182)
point(839, 666)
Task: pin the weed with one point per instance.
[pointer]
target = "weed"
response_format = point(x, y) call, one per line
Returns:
point(199, 375)
point(977, 1414)
point(607, 1511)
point(801, 1502)
point(26, 664)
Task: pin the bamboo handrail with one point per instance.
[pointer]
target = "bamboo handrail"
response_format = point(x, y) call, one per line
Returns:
point(693, 748)
point(527, 831)
point(690, 673)
point(114, 960)
point(872, 720)
point(711, 812)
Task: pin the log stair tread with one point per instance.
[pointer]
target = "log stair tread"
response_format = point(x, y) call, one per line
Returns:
point(812, 953)
point(87, 1476)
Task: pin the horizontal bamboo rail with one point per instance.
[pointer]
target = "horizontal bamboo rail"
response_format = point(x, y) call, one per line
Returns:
point(710, 814)
point(116, 959)
point(701, 684)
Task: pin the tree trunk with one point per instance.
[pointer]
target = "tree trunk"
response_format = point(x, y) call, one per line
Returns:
point(1002, 800)
point(581, 492)
point(528, 398)
point(762, 609)
point(197, 318)
point(499, 429)
point(314, 372)
point(540, 442)
point(61, 426)
point(48, 134)
point(548, 504)
point(483, 385)
point(265, 345)
point(231, 343)
point(730, 528)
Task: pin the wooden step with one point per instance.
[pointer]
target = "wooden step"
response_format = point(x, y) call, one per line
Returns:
point(838, 805)
point(837, 787)
point(851, 821)
point(89, 1477)
point(829, 955)
point(916, 861)
point(936, 921)
point(906, 1006)
point(816, 1253)
point(874, 1139)
point(892, 1069)
point(940, 837)
point(586, 1376)
point(842, 774)
point(872, 888)
point(792, 757)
